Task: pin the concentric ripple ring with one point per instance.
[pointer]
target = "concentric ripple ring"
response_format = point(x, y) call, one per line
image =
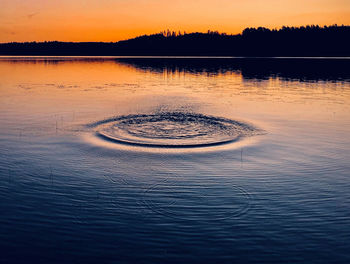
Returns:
point(172, 130)
point(186, 202)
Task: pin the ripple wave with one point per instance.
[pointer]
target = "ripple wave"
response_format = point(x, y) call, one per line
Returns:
point(172, 130)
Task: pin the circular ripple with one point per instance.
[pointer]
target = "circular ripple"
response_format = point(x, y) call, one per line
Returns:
point(209, 203)
point(172, 130)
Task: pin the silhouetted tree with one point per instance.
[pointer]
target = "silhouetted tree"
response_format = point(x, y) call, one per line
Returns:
point(310, 40)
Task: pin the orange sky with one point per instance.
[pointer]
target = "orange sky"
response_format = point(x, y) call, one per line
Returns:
point(113, 20)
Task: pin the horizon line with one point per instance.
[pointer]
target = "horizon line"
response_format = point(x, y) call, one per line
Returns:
point(186, 33)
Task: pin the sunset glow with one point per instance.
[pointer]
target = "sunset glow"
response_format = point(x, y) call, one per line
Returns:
point(113, 20)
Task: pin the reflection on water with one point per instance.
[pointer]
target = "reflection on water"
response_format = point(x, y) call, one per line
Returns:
point(78, 176)
point(301, 69)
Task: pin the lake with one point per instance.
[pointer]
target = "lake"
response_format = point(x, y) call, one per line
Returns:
point(174, 160)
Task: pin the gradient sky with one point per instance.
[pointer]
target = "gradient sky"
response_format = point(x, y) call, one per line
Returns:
point(113, 20)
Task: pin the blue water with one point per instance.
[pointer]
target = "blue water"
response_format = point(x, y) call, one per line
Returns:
point(278, 195)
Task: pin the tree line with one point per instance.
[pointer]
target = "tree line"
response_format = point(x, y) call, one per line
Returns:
point(312, 40)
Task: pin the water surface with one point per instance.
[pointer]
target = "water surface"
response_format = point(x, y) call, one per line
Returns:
point(174, 160)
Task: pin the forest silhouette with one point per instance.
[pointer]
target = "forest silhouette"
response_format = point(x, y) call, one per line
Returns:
point(252, 42)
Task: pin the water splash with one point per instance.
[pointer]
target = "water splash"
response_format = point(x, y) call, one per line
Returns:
point(172, 130)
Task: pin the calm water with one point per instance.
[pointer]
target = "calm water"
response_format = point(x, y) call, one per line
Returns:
point(159, 160)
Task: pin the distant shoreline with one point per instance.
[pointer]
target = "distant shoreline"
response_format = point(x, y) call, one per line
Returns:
point(163, 57)
point(287, 42)
point(166, 57)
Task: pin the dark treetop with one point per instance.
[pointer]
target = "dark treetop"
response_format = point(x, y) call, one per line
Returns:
point(287, 41)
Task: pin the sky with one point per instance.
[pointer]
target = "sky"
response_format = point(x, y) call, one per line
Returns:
point(114, 20)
